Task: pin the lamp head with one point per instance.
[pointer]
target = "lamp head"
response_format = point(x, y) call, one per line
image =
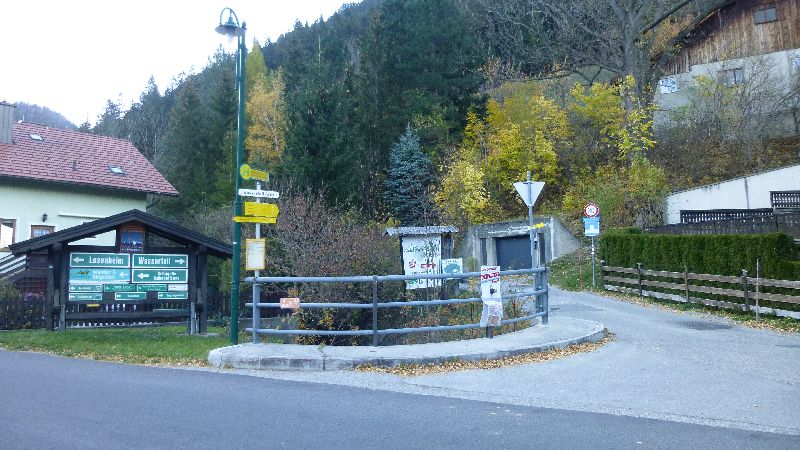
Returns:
point(229, 27)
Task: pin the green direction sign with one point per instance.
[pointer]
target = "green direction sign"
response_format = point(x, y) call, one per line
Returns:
point(99, 260)
point(86, 296)
point(93, 276)
point(152, 261)
point(173, 295)
point(160, 275)
point(151, 287)
point(85, 288)
point(130, 295)
point(118, 287)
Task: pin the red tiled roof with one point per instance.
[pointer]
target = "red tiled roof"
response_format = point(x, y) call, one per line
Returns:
point(65, 156)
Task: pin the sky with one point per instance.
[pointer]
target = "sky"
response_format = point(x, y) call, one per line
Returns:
point(73, 56)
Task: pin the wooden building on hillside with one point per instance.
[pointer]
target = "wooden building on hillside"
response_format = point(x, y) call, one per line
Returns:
point(746, 41)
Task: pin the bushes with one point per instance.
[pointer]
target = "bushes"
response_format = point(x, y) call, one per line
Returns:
point(715, 254)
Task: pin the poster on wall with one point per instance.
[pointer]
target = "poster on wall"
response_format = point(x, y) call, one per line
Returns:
point(421, 255)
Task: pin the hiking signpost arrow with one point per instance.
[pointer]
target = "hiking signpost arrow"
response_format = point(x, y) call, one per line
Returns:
point(161, 261)
point(161, 276)
point(99, 260)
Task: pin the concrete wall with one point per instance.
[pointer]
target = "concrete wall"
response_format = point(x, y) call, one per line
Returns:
point(772, 69)
point(65, 206)
point(558, 240)
point(751, 192)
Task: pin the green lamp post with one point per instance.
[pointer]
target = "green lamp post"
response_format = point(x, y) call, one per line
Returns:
point(232, 29)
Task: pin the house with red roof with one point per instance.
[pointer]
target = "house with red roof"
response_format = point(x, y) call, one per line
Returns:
point(52, 179)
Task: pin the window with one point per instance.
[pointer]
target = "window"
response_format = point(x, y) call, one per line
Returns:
point(731, 76)
point(7, 228)
point(36, 137)
point(41, 230)
point(766, 14)
point(117, 170)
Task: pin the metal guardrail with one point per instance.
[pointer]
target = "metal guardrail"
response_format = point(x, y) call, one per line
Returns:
point(538, 289)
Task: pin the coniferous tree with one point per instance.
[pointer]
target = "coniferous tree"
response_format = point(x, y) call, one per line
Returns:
point(409, 177)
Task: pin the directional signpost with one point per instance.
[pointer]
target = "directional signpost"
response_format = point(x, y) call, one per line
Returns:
point(160, 275)
point(173, 295)
point(260, 209)
point(258, 193)
point(99, 260)
point(130, 296)
point(86, 288)
point(85, 296)
point(248, 173)
point(119, 287)
point(246, 219)
point(99, 275)
point(160, 261)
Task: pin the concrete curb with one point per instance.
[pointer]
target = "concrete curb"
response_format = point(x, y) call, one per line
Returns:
point(560, 333)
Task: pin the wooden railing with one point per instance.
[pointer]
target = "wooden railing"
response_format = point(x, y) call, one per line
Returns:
point(744, 293)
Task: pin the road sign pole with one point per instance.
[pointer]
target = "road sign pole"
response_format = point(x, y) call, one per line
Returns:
point(256, 286)
point(592, 262)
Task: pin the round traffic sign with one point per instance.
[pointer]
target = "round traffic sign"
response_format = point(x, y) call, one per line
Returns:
point(591, 210)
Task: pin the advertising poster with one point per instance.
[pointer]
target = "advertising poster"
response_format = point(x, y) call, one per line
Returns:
point(422, 255)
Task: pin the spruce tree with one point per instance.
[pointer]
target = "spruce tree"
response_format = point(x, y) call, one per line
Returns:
point(409, 175)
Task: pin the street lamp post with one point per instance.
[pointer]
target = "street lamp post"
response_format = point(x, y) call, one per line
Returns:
point(231, 29)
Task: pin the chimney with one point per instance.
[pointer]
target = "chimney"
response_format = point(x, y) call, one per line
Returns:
point(6, 123)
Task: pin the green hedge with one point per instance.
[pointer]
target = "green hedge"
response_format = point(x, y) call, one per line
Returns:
point(725, 254)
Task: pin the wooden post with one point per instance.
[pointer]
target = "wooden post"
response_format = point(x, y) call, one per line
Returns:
point(745, 291)
point(50, 298)
point(639, 277)
point(686, 283)
point(202, 289)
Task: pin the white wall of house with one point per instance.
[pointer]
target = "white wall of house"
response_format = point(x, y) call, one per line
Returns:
point(65, 205)
point(774, 69)
point(750, 192)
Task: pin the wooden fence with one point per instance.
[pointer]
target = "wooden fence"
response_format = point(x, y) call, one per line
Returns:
point(26, 311)
point(744, 293)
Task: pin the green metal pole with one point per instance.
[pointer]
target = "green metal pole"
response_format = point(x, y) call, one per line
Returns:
point(237, 202)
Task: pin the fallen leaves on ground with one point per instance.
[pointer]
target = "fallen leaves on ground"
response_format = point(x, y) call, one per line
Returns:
point(410, 370)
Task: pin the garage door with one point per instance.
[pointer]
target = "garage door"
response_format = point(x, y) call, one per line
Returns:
point(513, 252)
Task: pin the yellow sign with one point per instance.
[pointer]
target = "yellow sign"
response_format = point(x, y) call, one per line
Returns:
point(260, 209)
point(248, 219)
point(255, 254)
point(248, 173)
point(538, 225)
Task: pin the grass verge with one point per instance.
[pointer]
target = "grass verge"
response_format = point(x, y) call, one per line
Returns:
point(160, 345)
point(410, 370)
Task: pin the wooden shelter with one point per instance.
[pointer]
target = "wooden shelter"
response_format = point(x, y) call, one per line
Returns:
point(156, 271)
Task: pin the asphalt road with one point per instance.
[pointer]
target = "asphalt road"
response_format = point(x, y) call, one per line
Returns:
point(667, 381)
point(51, 402)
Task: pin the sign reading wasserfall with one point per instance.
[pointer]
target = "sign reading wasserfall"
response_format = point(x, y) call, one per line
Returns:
point(99, 260)
point(99, 275)
point(258, 193)
point(160, 276)
point(175, 295)
point(147, 261)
